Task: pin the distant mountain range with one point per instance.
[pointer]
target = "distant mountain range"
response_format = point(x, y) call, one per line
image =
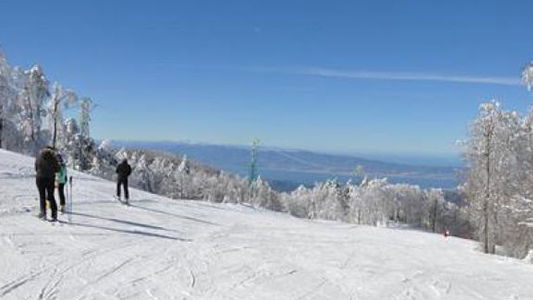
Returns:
point(286, 169)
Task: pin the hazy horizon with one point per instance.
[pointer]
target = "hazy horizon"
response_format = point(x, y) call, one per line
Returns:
point(423, 159)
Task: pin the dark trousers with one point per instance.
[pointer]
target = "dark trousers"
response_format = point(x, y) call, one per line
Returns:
point(61, 190)
point(123, 181)
point(46, 192)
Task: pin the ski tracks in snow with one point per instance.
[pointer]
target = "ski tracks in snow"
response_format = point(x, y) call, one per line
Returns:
point(7, 288)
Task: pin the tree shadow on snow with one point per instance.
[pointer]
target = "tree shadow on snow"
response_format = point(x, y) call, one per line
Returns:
point(124, 222)
point(9, 175)
point(137, 232)
point(175, 215)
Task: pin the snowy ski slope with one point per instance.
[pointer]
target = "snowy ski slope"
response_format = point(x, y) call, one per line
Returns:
point(166, 249)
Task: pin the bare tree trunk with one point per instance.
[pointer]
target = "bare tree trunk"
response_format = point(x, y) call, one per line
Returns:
point(434, 216)
point(54, 138)
point(2, 119)
point(32, 120)
point(486, 227)
point(486, 211)
point(1, 130)
point(1, 125)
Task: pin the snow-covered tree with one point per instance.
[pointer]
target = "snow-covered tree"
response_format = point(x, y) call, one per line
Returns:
point(491, 164)
point(436, 203)
point(32, 99)
point(30, 116)
point(85, 144)
point(7, 95)
point(11, 136)
point(264, 196)
point(60, 99)
point(527, 75)
point(86, 107)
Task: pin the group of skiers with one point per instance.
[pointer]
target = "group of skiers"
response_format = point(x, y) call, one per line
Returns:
point(51, 173)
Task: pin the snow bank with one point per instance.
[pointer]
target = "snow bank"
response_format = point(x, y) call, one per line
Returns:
point(529, 257)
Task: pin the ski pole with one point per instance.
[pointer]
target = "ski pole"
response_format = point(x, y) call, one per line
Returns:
point(70, 201)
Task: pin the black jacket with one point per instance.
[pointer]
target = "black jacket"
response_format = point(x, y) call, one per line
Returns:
point(46, 164)
point(123, 170)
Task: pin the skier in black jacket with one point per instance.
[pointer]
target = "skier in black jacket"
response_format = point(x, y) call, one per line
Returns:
point(46, 166)
point(123, 171)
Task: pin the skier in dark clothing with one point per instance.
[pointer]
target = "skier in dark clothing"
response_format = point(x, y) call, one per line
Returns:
point(46, 166)
point(123, 171)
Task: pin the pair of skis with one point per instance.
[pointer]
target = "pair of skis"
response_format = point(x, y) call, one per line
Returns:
point(127, 202)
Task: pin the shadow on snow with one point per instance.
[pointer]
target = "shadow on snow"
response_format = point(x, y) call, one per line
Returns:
point(175, 215)
point(123, 222)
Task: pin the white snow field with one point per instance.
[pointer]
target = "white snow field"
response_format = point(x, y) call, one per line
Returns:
point(168, 249)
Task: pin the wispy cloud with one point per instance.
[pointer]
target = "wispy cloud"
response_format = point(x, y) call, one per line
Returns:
point(367, 75)
point(401, 76)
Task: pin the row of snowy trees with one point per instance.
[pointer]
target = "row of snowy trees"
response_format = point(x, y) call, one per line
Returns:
point(32, 115)
point(499, 181)
point(377, 202)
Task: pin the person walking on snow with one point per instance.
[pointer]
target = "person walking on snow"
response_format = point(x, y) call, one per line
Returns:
point(61, 180)
point(46, 166)
point(123, 171)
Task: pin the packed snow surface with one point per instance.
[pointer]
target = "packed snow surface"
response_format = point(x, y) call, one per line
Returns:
point(175, 249)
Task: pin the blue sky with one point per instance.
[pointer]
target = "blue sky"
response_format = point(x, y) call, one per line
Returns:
point(337, 76)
